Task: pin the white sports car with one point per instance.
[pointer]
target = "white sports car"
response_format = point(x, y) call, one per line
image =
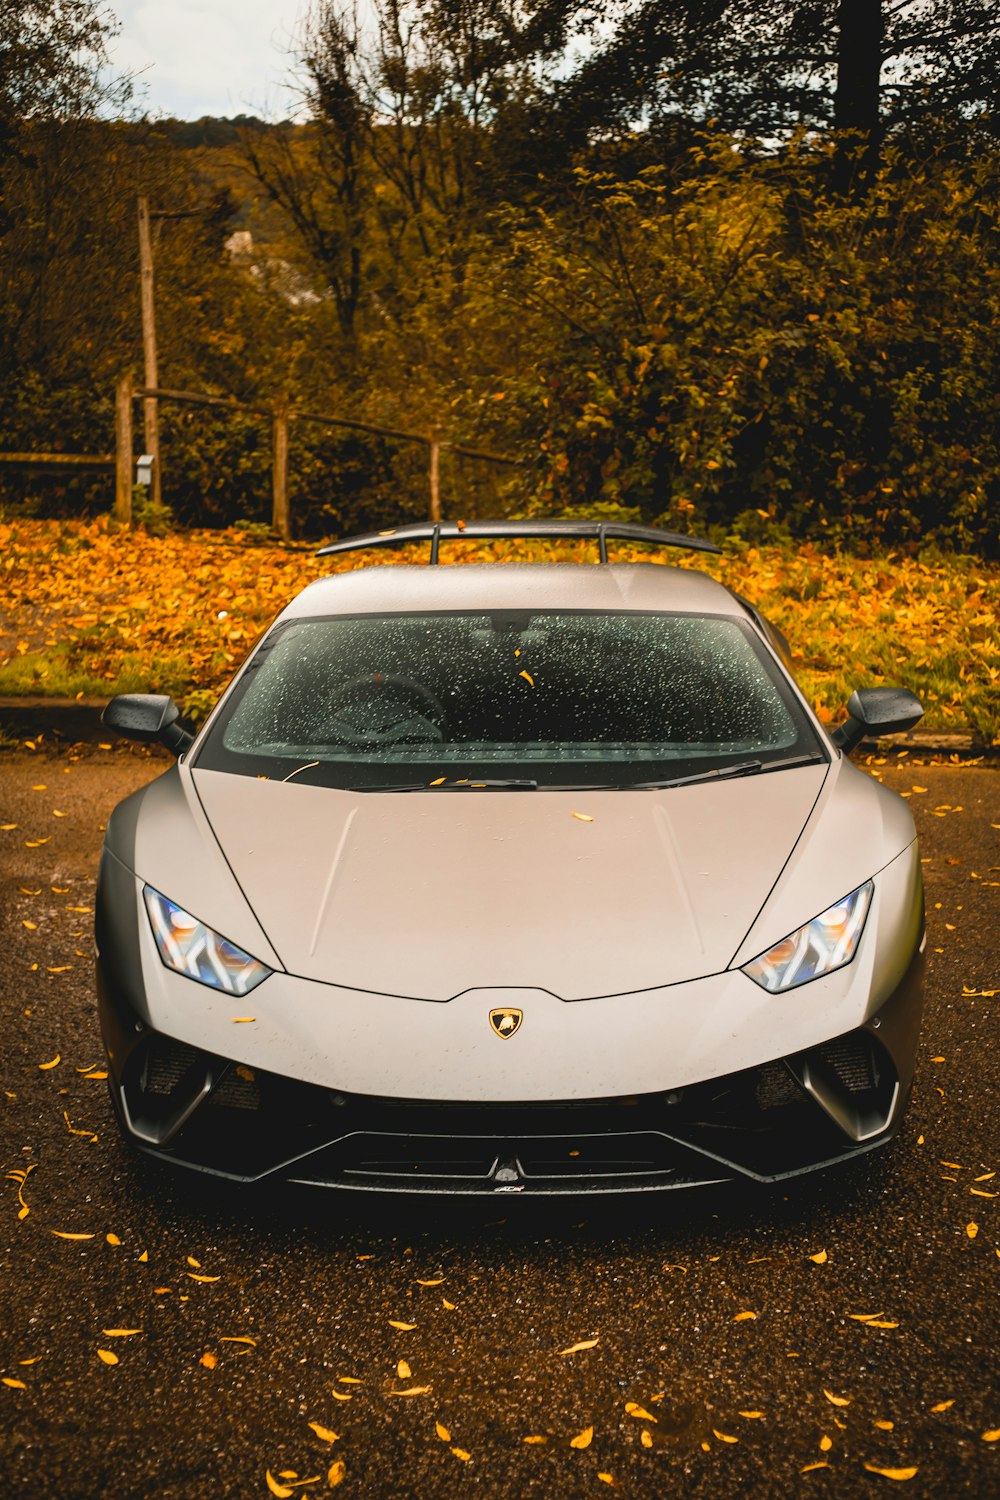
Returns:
point(511, 878)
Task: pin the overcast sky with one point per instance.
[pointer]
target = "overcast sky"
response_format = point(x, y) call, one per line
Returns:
point(207, 57)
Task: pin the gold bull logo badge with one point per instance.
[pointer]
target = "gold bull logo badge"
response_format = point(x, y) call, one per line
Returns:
point(506, 1021)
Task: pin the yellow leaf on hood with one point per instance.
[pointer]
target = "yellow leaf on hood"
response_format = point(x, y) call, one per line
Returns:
point(336, 1473)
point(583, 817)
point(281, 1490)
point(633, 1409)
point(325, 1434)
point(442, 1432)
point(836, 1400)
point(892, 1473)
point(583, 1439)
point(576, 1348)
point(403, 1327)
point(106, 1357)
point(44, 1067)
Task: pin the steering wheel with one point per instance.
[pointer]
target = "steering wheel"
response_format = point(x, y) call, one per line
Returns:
point(382, 715)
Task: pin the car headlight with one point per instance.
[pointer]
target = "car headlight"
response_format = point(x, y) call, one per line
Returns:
point(189, 947)
point(826, 943)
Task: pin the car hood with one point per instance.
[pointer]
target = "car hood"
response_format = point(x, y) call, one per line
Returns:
point(427, 895)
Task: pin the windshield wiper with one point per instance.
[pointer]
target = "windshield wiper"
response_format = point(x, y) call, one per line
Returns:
point(745, 768)
point(456, 786)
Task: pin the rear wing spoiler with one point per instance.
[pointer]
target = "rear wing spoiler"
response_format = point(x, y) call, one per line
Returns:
point(551, 530)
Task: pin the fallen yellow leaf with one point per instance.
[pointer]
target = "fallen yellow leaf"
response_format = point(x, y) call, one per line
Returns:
point(576, 1348)
point(836, 1400)
point(120, 1333)
point(741, 1317)
point(448, 1306)
point(403, 1327)
point(209, 1360)
point(336, 1473)
point(724, 1437)
point(825, 1443)
point(15, 1385)
point(414, 1390)
point(863, 1317)
point(992, 1435)
point(819, 1464)
point(633, 1409)
point(751, 1414)
point(237, 1338)
point(583, 817)
point(943, 1405)
point(528, 678)
point(972, 1230)
point(403, 1370)
point(881, 1323)
point(892, 1473)
point(583, 1439)
point(646, 1438)
point(195, 1277)
point(44, 1067)
point(341, 1395)
point(349, 1380)
point(442, 1432)
point(820, 1258)
point(325, 1434)
point(535, 1437)
point(436, 1282)
point(281, 1490)
point(607, 1478)
point(106, 1357)
point(63, 1234)
point(884, 1426)
point(462, 1454)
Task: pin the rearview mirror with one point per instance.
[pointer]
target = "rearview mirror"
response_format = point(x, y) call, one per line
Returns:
point(148, 717)
point(877, 711)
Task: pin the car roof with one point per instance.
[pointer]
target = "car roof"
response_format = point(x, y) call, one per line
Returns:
point(400, 588)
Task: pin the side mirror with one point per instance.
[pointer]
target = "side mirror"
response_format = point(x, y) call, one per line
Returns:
point(877, 711)
point(148, 717)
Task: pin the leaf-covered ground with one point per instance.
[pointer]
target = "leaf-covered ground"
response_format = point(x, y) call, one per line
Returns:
point(85, 610)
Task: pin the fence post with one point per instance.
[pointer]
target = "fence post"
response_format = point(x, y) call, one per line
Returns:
point(279, 474)
point(123, 450)
point(435, 475)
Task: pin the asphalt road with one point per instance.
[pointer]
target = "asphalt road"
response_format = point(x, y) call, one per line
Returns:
point(734, 1406)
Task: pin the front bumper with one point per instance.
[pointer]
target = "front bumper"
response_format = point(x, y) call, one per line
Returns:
point(785, 1117)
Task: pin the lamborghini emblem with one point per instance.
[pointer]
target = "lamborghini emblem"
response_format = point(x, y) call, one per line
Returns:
point(506, 1022)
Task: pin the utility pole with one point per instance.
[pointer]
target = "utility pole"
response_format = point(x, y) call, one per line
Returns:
point(150, 415)
point(435, 475)
point(123, 450)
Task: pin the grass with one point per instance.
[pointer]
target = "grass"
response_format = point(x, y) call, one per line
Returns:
point(87, 611)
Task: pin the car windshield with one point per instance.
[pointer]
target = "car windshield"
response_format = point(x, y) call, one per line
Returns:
point(553, 698)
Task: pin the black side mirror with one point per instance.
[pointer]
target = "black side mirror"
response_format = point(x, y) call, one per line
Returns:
point(148, 717)
point(877, 711)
